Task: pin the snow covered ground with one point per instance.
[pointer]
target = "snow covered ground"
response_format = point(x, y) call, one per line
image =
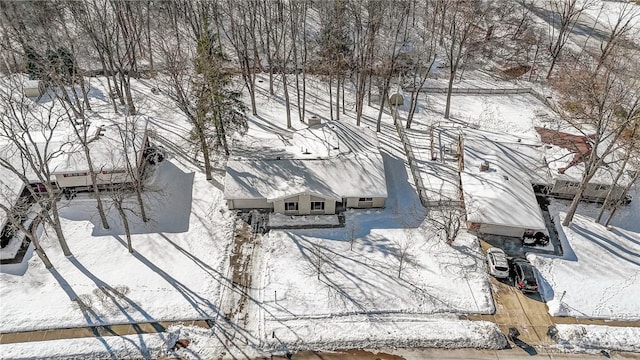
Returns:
point(319, 289)
point(179, 268)
point(311, 288)
point(176, 272)
point(599, 274)
point(597, 337)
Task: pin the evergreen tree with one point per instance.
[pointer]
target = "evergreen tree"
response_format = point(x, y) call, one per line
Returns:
point(220, 110)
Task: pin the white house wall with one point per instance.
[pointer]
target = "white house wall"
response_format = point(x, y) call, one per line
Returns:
point(501, 230)
point(249, 204)
point(85, 180)
point(562, 187)
point(304, 205)
point(377, 202)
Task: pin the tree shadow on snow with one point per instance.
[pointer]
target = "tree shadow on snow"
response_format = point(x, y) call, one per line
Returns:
point(95, 322)
point(168, 208)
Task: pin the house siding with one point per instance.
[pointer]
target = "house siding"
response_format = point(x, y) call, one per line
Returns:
point(377, 202)
point(501, 230)
point(101, 179)
point(249, 204)
point(304, 205)
point(563, 187)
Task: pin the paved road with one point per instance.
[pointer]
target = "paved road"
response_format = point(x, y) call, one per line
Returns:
point(467, 354)
point(93, 331)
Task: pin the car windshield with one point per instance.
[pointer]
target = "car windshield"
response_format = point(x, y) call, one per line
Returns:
point(528, 272)
point(501, 268)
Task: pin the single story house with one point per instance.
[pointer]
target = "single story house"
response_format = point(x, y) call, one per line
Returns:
point(116, 150)
point(319, 170)
point(565, 154)
point(497, 182)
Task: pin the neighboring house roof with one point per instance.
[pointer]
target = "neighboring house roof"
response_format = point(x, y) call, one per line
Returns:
point(332, 160)
point(111, 142)
point(567, 152)
point(502, 195)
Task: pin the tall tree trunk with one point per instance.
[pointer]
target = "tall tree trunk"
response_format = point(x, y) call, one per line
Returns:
point(53, 202)
point(412, 106)
point(96, 190)
point(287, 101)
point(619, 202)
point(126, 82)
point(447, 108)
point(344, 111)
point(383, 100)
point(338, 97)
point(39, 250)
point(125, 223)
point(204, 147)
point(607, 200)
point(331, 95)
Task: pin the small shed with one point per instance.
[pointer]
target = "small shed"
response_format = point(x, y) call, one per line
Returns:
point(33, 88)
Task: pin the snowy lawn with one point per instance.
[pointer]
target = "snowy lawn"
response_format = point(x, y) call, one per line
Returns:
point(176, 272)
point(599, 274)
point(517, 114)
point(318, 289)
point(596, 337)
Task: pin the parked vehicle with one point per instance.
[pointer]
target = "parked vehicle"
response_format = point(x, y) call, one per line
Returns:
point(524, 276)
point(497, 261)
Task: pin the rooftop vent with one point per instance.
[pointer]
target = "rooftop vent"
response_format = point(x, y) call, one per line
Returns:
point(484, 166)
point(314, 120)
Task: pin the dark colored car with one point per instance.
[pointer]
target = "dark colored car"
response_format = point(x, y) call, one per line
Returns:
point(524, 276)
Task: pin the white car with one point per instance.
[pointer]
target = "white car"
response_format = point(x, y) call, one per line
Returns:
point(497, 261)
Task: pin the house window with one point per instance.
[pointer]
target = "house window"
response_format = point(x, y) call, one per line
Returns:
point(365, 202)
point(75, 174)
point(572, 185)
point(602, 187)
point(291, 206)
point(317, 205)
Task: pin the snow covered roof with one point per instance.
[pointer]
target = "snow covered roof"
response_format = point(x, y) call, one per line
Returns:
point(111, 141)
point(561, 167)
point(503, 194)
point(328, 139)
point(331, 160)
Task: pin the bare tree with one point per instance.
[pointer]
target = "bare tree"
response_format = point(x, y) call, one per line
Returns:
point(365, 35)
point(404, 246)
point(320, 260)
point(622, 30)
point(460, 25)
point(447, 219)
point(597, 100)
point(398, 31)
point(240, 30)
point(15, 215)
point(352, 231)
point(565, 15)
point(27, 132)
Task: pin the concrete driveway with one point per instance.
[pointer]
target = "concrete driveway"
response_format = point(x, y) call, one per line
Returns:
point(527, 313)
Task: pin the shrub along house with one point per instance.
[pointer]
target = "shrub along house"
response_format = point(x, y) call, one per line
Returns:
point(322, 169)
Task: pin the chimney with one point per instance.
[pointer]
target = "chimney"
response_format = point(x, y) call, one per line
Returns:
point(314, 120)
point(484, 166)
